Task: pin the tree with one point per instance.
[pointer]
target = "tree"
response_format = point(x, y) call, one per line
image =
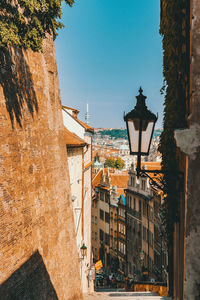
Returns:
point(110, 162)
point(119, 163)
point(26, 23)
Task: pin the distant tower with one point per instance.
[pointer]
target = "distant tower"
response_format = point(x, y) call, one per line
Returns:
point(87, 115)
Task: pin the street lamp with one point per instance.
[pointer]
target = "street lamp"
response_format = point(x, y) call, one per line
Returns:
point(83, 251)
point(142, 256)
point(140, 123)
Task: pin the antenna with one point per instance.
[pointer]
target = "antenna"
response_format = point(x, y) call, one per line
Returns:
point(87, 115)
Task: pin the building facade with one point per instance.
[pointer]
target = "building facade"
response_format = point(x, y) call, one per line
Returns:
point(142, 207)
point(107, 188)
point(79, 148)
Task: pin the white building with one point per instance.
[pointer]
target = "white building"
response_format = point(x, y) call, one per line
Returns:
point(124, 153)
point(79, 148)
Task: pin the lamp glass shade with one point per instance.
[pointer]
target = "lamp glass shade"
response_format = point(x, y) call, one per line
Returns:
point(133, 136)
point(146, 136)
point(83, 251)
point(140, 123)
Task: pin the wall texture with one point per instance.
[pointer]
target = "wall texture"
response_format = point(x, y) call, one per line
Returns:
point(192, 289)
point(35, 207)
point(189, 142)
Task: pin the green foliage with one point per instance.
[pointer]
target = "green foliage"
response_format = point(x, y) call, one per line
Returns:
point(115, 133)
point(26, 23)
point(110, 162)
point(122, 133)
point(172, 28)
point(119, 163)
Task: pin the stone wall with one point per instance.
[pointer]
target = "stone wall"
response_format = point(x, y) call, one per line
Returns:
point(192, 288)
point(35, 207)
point(189, 142)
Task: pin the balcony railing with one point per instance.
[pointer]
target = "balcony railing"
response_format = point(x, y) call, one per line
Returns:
point(134, 213)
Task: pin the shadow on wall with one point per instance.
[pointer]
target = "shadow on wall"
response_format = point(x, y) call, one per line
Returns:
point(16, 80)
point(30, 282)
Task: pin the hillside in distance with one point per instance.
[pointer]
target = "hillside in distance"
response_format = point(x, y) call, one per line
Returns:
point(116, 133)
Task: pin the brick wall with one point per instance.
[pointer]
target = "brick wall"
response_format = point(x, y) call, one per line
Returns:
point(35, 207)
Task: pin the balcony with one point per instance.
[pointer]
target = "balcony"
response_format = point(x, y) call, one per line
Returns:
point(134, 213)
point(138, 190)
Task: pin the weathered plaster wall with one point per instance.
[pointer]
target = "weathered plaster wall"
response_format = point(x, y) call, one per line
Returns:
point(35, 207)
point(189, 142)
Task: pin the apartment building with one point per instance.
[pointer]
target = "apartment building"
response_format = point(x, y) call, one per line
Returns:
point(107, 188)
point(142, 202)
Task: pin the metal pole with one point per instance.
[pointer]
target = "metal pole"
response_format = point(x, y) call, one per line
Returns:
point(161, 259)
point(148, 207)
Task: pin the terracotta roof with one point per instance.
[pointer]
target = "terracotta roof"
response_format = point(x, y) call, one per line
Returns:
point(75, 111)
point(72, 140)
point(151, 165)
point(96, 180)
point(86, 126)
point(120, 180)
point(72, 109)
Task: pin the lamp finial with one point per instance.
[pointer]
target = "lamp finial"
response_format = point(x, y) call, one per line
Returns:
point(140, 90)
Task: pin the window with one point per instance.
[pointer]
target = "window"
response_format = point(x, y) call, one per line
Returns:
point(92, 219)
point(101, 213)
point(134, 204)
point(95, 221)
point(115, 244)
point(92, 235)
point(144, 233)
point(111, 243)
point(107, 239)
point(95, 236)
point(131, 205)
point(107, 218)
point(122, 248)
point(127, 201)
point(101, 235)
point(101, 196)
point(107, 198)
point(143, 185)
point(122, 228)
point(132, 181)
point(111, 225)
point(140, 206)
point(121, 212)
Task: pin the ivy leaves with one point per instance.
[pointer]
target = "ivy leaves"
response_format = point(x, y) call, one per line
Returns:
point(25, 23)
point(172, 29)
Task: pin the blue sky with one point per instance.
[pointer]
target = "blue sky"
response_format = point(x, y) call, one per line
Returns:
point(107, 50)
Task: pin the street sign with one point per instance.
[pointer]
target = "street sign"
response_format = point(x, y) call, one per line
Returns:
point(98, 265)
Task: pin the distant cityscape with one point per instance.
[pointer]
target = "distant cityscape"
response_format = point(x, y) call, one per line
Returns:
point(113, 142)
